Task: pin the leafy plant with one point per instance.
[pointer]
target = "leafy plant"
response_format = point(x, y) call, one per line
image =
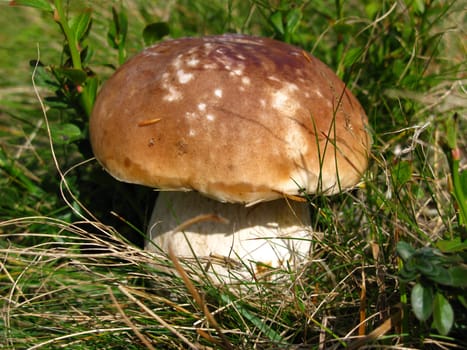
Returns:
point(458, 183)
point(73, 83)
point(440, 273)
point(438, 278)
point(116, 36)
point(285, 22)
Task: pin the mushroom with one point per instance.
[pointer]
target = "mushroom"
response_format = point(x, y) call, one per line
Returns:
point(234, 125)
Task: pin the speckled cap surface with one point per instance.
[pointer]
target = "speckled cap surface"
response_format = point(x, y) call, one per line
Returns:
point(237, 118)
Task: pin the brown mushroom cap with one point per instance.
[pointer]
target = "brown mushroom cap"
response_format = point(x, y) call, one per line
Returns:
point(235, 117)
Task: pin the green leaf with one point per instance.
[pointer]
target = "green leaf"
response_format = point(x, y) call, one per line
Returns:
point(401, 173)
point(118, 28)
point(458, 276)
point(38, 4)
point(65, 133)
point(443, 315)
point(398, 67)
point(92, 84)
point(419, 6)
point(256, 321)
point(372, 8)
point(405, 250)
point(89, 94)
point(422, 301)
point(451, 128)
point(452, 245)
point(112, 35)
point(462, 299)
point(154, 32)
point(121, 20)
point(276, 20)
point(77, 76)
point(293, 19)
point(429, 269)
point(43, 77)
point(352, 56)
point(408, 274)
point(86, 55)
point(443, 276)
point(16, 173)
point(463, 181)
point(81, 24)
point(56, 102)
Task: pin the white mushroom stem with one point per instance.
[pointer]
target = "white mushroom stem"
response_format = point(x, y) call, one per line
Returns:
point(275, 233)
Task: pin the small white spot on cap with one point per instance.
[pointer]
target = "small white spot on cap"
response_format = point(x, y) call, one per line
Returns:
point(191, 133)
point(202, 106)
point(238, 71)
point(283, 99)
point(173, 94)
point(221, 50)
point(218, 93)
point(279, 99)
point(292, 87)
point(192, 62)
point(210, 117)
point(190, 115)
point(273, 78)
point(177, 63)
point(150, 53)
point(210, 66)
point(183, 77)
point(246, 80)
point(318, 92)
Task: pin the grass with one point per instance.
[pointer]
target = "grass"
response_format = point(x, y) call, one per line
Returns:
point(71, 271)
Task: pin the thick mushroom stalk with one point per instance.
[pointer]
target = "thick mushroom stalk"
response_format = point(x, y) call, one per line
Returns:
point(238, 119)
point(255, 241)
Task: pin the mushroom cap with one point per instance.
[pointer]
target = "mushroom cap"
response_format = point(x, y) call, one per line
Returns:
point(235, 117)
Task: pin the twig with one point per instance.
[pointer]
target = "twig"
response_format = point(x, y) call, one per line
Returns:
point(378, 332)
point(362, 327)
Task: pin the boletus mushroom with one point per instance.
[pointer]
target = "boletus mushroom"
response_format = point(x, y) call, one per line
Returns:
point(234, 125)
